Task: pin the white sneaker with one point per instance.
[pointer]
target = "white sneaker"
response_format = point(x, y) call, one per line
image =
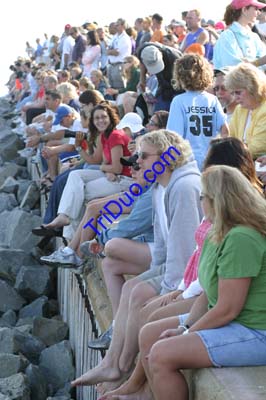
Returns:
point(27, 152)
point(63, 259)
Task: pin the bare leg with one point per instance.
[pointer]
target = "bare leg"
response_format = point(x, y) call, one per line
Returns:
point(108, 369)
point(119, 253)
point(60, 221)
point(140, 295)
point(162, 359)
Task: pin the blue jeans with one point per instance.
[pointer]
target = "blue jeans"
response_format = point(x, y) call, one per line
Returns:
point(57, 190)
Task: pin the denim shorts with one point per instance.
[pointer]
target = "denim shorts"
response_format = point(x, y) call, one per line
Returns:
point(154, 277)
point(233, 345)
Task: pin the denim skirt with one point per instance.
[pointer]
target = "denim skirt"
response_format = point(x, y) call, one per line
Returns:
point(233, 345)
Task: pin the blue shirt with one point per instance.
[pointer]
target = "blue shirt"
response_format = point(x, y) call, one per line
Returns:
point(197, 117)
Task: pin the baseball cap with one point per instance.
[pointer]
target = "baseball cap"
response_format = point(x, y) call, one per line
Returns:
point(152, 58)
point(238, 4)
point(132, 121)
point(174, 22)
point(196, 48)
point(61, 112)
point(223, 71)
point(220, 25)
point(67, 26)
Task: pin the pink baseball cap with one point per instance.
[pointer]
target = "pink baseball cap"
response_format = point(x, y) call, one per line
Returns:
point(220, 25)
point(238, 4)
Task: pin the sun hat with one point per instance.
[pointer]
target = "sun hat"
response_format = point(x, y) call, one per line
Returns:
point(132, 121)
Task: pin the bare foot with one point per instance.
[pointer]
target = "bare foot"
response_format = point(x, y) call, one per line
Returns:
point(105, 386)
point(143, 394)
point(60, 221)
point(128, 387)
point(99, 374)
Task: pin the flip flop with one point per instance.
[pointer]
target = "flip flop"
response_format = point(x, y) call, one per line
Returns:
point(43, 231)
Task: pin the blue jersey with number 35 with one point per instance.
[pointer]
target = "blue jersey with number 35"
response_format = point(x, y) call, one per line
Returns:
point(197, 117)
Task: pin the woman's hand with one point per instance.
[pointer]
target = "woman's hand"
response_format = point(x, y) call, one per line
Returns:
point(261, 160)
point(111, 91)
point(169, 298)
point(132, 146)
point(47, 152)
point(171, 332)
point(78, 138)
point(111, 177)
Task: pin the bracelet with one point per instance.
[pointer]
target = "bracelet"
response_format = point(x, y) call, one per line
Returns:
point(185, 327)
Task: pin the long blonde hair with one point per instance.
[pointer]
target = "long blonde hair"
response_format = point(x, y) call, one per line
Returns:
point(234, 201)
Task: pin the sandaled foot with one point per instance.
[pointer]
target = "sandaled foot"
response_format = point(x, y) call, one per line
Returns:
point(60, 221)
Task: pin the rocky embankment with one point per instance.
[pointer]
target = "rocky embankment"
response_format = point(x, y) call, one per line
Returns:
point(36, 360)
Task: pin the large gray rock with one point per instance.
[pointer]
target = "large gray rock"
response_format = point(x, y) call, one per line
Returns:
point(11, 364)
point(10, 317)
point(8, 169)
point(4, 397)
point(9, 298)
point(37, 383)
point(16, 387)
point(7, 341)
point(9, 144)
point(10, 185)
point(50, 331)
point(19, 235)
point(31, 197)
point(7, 202)
point(33, 282)
point(56, 363)
point(38, 308)
point(10, 262)
point(30, 346)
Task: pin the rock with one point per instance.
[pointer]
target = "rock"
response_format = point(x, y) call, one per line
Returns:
point(30, 346)
point(19, 235)
point(25, 321)
point(37, 383)
point(11, 364)
point(10, 317)
point(11, 261)
point(56, 363)
point(50, 331)
point(1, 161)
point(32, 282)
point(8, 169)
point(38, 308)
point(3, 397)
point(9, 186)
point(31, 197)
point(16, 387)
point(9, 144)
point(7, 202)
point(25, 329)
point(7, 341)
point(9, 298)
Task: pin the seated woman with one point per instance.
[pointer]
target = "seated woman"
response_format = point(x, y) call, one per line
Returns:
point(111, 144)
point(226, 326)
point(248, 122)
point(131, 74)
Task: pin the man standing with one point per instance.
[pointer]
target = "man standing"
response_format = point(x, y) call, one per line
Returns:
point(119, 48)
point(196, 33)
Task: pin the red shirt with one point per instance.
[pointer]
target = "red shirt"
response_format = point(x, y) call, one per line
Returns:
point(116, 138)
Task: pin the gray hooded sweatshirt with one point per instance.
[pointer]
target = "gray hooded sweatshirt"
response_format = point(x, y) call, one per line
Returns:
point(183, 213)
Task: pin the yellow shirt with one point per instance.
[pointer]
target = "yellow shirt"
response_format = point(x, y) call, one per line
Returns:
point(256, 130)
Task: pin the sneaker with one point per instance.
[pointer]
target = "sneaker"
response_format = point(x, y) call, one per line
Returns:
point(62, 259)
point(27, 152)
point(103, 342)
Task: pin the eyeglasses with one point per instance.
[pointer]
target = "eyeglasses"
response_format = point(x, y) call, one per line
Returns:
point(144, 155)
point(222, 88)
point(152, 123)
point(202, 195)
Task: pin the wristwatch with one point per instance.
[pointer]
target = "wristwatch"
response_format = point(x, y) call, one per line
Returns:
point(78, 149)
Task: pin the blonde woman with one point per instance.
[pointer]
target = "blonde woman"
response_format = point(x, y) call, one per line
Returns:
point(226, 326)
point(248, 122)
point(69, 95)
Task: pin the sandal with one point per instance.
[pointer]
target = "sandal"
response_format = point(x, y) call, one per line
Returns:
point(50, 232)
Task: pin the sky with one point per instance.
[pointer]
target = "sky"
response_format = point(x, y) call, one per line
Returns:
point(28, 20)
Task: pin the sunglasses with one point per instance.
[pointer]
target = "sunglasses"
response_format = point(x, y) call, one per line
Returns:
point(144, 155)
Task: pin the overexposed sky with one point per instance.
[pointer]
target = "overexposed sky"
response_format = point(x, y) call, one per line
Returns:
point(26, 20)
